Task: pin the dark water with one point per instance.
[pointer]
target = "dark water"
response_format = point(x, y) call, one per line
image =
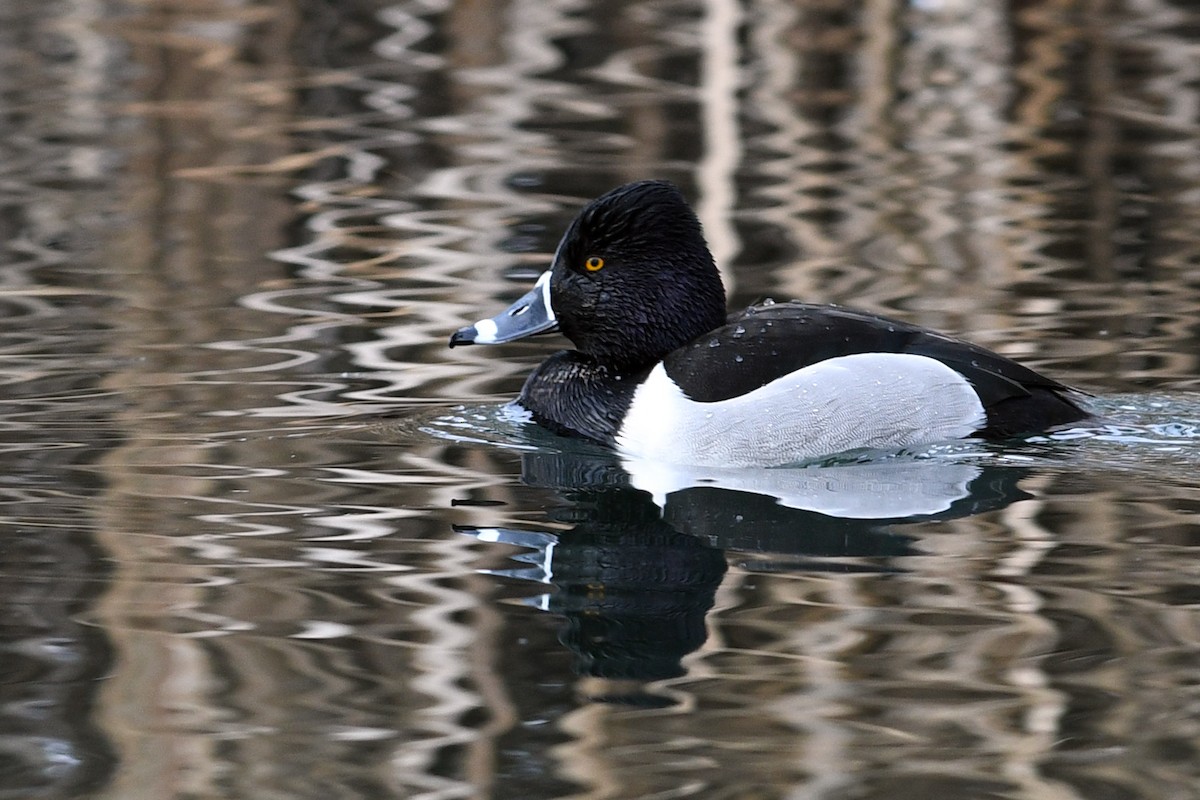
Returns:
point(264, 536)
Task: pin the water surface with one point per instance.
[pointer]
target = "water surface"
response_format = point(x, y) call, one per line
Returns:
point(267, 537)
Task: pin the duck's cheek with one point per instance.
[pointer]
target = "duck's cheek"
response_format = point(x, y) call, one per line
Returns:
point(573, 298)
point(576, 314)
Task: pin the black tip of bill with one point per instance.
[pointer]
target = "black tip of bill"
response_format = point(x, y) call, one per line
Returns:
point(464, 336)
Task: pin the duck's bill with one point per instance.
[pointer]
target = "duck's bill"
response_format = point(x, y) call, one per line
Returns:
point(530, 315)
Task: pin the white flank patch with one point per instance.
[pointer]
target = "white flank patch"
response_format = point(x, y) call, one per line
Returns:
point(883, 401)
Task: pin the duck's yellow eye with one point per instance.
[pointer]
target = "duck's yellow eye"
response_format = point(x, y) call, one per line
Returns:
point(594, 264)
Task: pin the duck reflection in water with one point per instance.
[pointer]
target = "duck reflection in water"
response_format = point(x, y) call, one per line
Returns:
point(637, 572)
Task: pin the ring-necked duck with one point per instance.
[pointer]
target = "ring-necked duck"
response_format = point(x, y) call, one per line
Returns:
point(660, 372)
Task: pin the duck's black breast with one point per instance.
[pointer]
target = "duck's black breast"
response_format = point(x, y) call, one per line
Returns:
point(572, 394)
point(766, 342)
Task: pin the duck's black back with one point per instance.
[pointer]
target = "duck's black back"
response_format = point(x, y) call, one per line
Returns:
point(768, 341)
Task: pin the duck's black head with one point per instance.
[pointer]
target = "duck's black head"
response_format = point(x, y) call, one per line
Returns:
point(633, 278)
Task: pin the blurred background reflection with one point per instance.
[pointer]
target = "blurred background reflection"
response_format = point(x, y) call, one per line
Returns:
point(266, 537)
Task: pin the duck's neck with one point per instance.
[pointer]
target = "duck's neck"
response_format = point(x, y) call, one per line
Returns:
point(572, 394)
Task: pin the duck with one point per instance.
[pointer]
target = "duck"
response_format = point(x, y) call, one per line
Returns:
point(661, 371)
